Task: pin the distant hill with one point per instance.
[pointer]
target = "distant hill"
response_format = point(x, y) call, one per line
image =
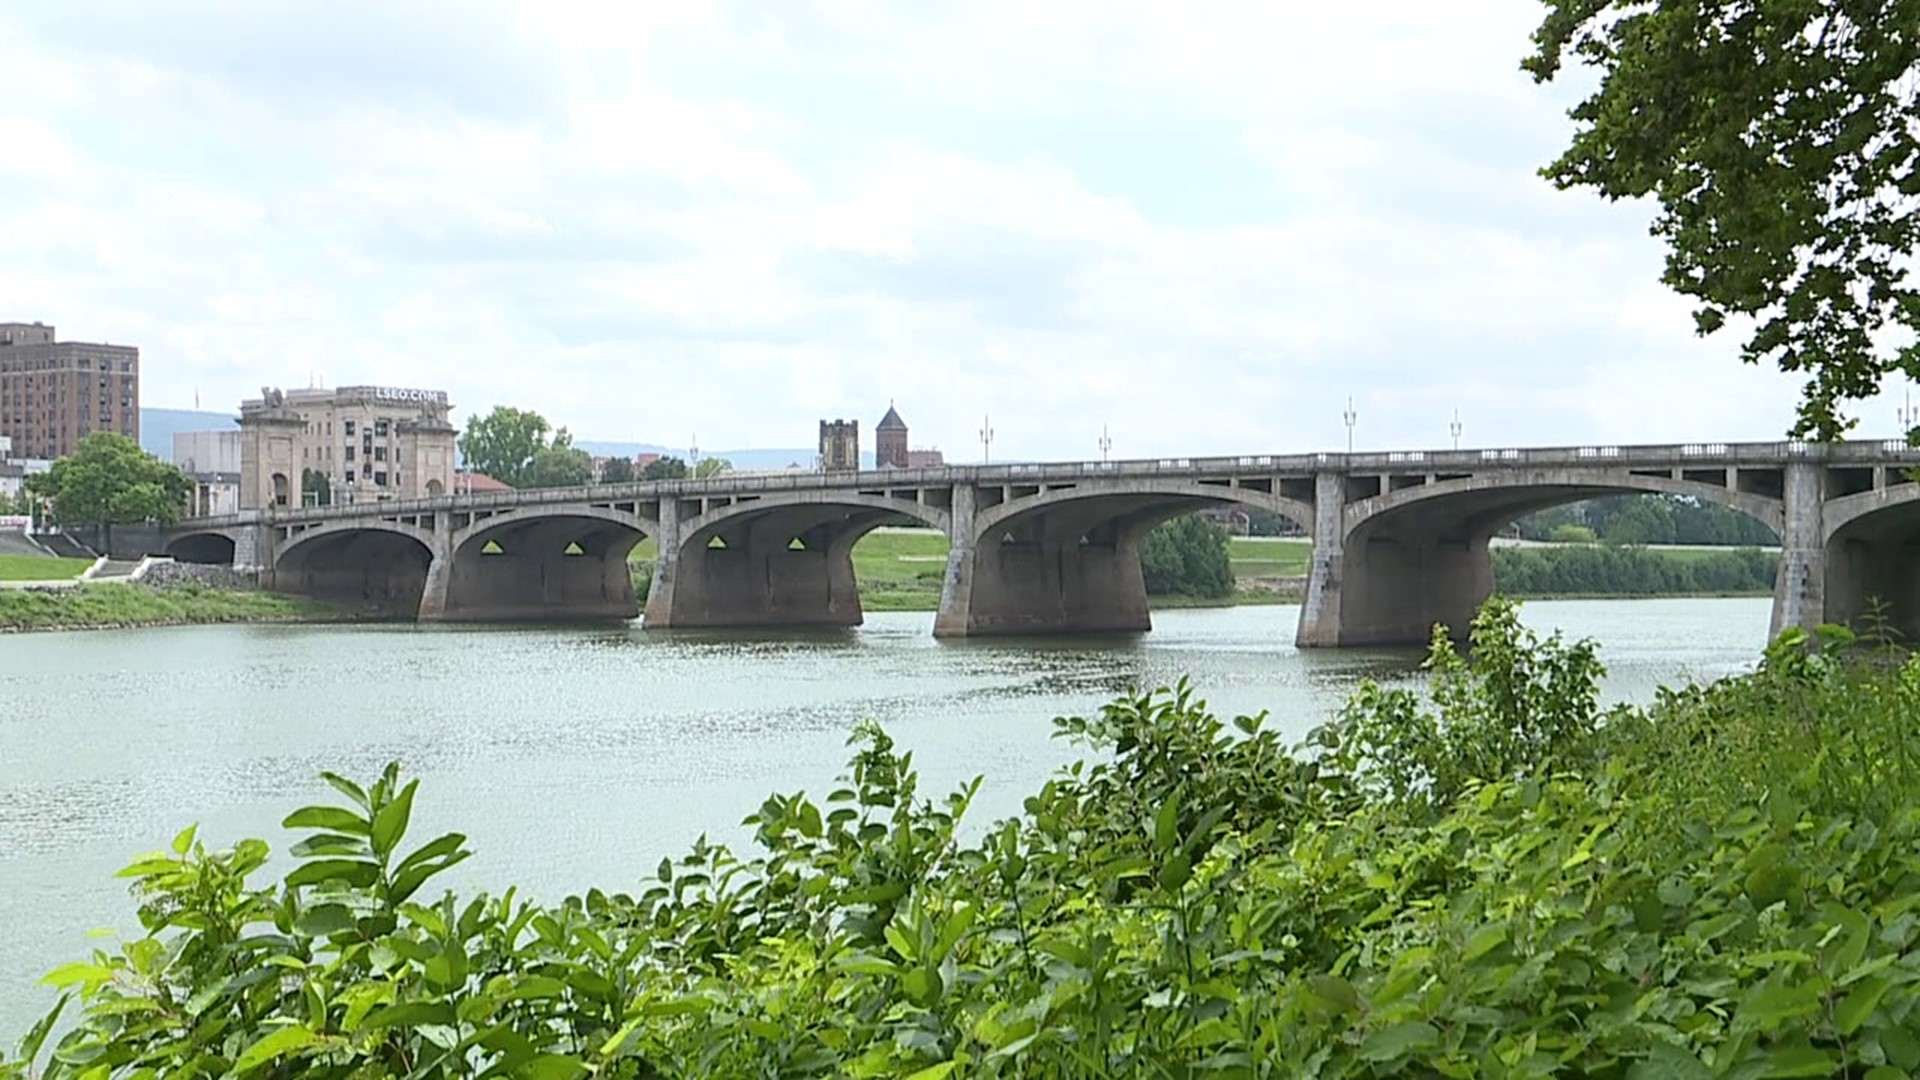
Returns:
point(158, 425)
point(776, 458)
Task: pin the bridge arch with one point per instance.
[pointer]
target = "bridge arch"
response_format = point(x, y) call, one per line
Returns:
point(1408, 559)
point(1136, 506)
point(802, 516)
point(1485, 502)
point(213, 547)
point(1872, 558)
point(584, 519)
point(784, 560)
point(544, 562)
point(377, 565)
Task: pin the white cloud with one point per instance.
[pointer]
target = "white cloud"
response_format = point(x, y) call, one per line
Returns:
point(1204, 227)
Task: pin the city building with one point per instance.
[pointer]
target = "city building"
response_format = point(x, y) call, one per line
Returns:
point(890, 441)
point(54, 393)
point(839, 445)
point(215, 493)
point(926, 459)
point(207, 451)
point(467, 482)
point(351, 444)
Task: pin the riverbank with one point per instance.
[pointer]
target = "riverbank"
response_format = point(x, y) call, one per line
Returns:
point(122, 606)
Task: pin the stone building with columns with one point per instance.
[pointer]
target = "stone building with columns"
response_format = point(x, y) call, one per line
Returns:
point(347, 445)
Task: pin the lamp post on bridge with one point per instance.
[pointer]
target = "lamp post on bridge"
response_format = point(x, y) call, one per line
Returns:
point(1106, 443)
point(1455, 429)
point(1350, 416)
point(986, 439)
point(1908, 413)
point(693, 454)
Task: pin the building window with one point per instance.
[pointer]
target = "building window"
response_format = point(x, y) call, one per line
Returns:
point(346, 426)
point(366, 468)
point(379, 453)
point(380, 479)
point(349, 451)
point(380, 428)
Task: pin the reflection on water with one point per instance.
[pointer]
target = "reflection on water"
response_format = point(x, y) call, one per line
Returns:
point(578, 756)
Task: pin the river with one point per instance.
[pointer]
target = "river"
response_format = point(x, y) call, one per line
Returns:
point(578, 757)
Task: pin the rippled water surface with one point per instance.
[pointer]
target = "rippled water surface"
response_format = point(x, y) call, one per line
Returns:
point(578, 757)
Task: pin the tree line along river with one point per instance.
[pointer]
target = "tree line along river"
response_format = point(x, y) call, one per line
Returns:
point(579, 757)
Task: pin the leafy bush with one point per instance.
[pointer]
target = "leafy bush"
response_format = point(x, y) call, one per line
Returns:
point(1629, 571)
point(1497, 879)
point(1187, 556)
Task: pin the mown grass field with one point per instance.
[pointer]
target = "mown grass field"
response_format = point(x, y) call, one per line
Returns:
point(40, 568)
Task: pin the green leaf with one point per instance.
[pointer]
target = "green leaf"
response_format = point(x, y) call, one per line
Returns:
point(1801, 1061)
point(1333, 990)
point(1859, 1003)
point(1480, 944)
point(329, 844)
point(330, 818)
point(551, 1067)
point(285, 1041)
point(934, 1072)
point(410, 1014)
point(345, 871)
point(1669, 1062)
point(408, 882)
point(1166, 826)
point(391, 823)
point(183, 841)
point(347, 787)
point(1399, 1040)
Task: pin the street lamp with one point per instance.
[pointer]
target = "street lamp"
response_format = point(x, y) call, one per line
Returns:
point(693, 452)
point(986, 439)
point(1350, 416)
point(1455, 429)
point(1106, 443)
point(1908, 413)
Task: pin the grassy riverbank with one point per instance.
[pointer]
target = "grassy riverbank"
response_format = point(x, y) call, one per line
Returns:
point(41, 568)
point(90, 607)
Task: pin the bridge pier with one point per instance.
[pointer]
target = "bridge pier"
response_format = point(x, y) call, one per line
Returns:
point(1800, 585)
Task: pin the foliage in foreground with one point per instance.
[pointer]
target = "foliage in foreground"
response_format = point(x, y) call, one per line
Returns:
point(1499, 879)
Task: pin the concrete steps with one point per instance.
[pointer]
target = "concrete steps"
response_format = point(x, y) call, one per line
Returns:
point(15, 542)
point(66, 546)
point(114, 570)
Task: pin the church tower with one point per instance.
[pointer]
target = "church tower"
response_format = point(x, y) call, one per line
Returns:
point(890, 441)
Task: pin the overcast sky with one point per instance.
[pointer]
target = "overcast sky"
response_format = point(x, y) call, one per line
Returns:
point(1201, 225)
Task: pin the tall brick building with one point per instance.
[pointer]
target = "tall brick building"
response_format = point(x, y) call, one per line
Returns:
point(890, 441)
point(55, 393)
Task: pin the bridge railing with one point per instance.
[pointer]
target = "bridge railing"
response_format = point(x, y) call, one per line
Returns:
point(1305, 464)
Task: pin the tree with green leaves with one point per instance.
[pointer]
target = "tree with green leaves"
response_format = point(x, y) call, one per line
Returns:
point(711, 466)
point(665, 468)
point(560, 465)
point(108, 480)
point(317, 484)
point(503, 443)
point(1187, 556)
point(618, 470)
point(1778, 138)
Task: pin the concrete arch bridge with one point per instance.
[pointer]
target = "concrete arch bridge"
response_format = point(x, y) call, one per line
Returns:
point(1400, 538)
